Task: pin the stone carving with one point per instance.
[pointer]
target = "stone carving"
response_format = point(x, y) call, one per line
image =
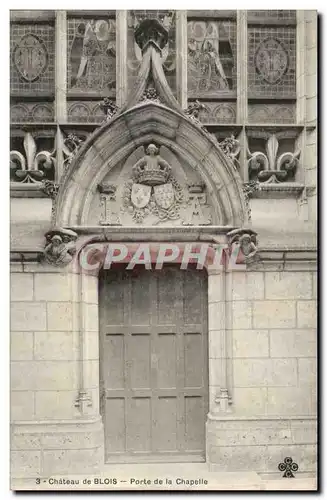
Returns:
point(198, 212)
point(248, 189)
point(50, 188)
point(193, 110)
point(270, 167)
point(83, 401)
point(271, 60)
point(110, 207)
point(223, 401)
point(151, 30)
point(151, 194)
point(109, 108)
point(157, 26)
point(71, 145)
point(60, 246)
point(92, 56)
point(231, 147)
point(211, 113)
point(30, 57)
point(150, 94)
point(153, 189)
point(210, 57)
point(32, 167)
point(247, 241)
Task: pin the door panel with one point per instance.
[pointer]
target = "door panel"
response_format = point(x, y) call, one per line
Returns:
point(154, 364)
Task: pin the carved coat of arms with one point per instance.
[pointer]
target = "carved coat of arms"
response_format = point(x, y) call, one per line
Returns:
point(164, 195)
point(153, 190)
point(152, 195)
point(140, 195)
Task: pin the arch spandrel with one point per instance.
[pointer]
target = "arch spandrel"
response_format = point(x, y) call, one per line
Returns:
point(99, 172)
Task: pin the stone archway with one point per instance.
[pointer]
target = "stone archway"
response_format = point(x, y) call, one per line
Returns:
point(148, 122)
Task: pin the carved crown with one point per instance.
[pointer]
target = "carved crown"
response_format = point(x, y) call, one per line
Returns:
point(152, 176)
point(152, 170)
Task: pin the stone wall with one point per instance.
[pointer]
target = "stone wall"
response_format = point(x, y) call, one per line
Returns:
point(262, 347)
point(50, 433)
point(271, 373)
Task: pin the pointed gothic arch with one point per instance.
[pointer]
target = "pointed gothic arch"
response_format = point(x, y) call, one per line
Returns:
point(144, 123)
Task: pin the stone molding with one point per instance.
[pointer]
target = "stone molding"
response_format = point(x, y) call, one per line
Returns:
point(271, 255)
point(149, 122)
point(22, 190)
point(234, 417)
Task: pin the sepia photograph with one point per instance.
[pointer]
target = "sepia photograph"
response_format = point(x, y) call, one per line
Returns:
point(163, 250)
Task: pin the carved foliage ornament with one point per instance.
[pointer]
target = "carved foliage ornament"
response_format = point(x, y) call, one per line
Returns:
point(50, 188)
point(150, 94)
point(231, 147)
point(248, 189)
point(271, 60)
point(30, 57)
point(71, 145)
point(109, 108)
point(33, 167)
point(272, 167)
point(60, 246)
point(193, 110)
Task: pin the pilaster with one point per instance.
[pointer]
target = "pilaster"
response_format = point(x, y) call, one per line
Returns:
point(181, 57)
point(121, 57)
point(218, 370)
point(61, 67)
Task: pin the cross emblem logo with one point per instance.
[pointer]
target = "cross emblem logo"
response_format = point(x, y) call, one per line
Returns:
point(288, 467)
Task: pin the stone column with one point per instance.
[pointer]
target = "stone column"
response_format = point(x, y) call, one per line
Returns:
point(219, 397)
point(181, 57)
point(61, 67)
point(121, 57)
point(85, 319)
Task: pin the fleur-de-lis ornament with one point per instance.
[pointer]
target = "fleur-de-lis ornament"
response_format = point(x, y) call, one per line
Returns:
point(270, 167)
point(33, 167)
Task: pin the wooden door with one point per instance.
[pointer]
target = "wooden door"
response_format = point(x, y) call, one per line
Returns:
point(154, 364)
